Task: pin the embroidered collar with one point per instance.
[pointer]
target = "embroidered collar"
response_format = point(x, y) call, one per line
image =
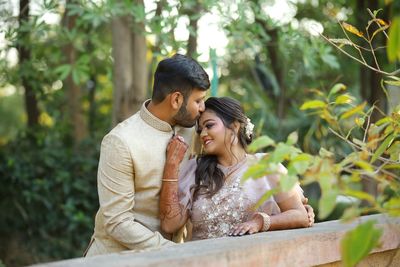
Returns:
point(152, 120)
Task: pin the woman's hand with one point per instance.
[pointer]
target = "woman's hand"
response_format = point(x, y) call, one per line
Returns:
point(176, 150)
point(310, 211)
point(250, 227)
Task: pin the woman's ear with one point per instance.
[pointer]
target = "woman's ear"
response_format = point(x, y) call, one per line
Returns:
point(176, 100)
point(236, 127)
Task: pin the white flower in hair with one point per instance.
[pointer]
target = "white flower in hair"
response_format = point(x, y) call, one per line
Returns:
point(249, 127)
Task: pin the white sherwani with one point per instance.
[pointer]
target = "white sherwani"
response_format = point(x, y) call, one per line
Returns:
point(129, 177)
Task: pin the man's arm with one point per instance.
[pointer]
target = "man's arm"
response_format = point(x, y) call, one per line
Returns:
point(117, 197)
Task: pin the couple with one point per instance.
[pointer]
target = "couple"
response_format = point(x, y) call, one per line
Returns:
point(143, 203)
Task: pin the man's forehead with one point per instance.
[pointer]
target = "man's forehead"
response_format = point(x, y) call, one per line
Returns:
point(197, 93)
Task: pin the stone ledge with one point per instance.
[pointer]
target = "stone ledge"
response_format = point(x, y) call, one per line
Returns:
point(317, 245)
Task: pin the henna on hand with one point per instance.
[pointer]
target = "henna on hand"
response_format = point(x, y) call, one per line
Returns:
point(170, 206)
point(171, 211)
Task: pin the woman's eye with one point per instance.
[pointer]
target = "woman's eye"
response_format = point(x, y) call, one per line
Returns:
point(208, 126)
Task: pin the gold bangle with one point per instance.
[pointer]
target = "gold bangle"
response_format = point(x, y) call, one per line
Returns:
point(169, 180)
point(267, 221)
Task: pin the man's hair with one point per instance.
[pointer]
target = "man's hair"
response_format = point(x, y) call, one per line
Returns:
point(178, 74)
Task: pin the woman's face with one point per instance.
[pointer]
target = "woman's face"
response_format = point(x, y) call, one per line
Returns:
point(213, 134)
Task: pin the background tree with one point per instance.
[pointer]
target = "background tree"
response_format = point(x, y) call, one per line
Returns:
point(26, 72)
point(130, 65)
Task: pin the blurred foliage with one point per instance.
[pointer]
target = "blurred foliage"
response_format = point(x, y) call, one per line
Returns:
point(48, 188)
point(374, 154)
point(48, 195)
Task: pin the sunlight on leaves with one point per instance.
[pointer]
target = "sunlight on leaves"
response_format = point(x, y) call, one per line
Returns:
point(313, 104)
point(356, 110)
point(261, 142)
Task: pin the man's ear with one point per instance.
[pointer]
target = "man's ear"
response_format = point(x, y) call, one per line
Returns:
point(176, 100)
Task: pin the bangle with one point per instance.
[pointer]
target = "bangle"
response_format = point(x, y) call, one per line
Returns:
point(267, 221)
point(169, 180)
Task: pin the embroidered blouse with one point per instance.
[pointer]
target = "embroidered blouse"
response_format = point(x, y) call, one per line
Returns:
point(234, 203)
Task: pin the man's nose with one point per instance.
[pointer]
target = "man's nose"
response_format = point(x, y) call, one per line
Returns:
point(202, 107)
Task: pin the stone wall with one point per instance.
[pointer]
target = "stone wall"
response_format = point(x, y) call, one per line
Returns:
point(318, 245)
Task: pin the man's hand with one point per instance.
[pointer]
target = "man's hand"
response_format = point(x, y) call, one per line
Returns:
point(310, 211)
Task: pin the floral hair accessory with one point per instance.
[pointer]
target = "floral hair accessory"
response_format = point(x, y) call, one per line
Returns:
point(249, 128)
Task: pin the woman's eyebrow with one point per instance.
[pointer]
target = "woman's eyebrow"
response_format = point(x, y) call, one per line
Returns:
point(207, 121)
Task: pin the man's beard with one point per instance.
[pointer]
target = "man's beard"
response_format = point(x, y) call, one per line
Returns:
point(183, 117)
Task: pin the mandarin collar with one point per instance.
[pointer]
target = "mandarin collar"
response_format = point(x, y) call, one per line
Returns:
point(152, 120)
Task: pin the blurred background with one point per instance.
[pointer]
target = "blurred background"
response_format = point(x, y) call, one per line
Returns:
point(71, 70)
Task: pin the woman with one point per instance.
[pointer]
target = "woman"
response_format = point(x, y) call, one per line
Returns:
point(210, 192)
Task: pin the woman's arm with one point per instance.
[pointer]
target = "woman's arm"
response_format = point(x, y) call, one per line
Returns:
point(172, 214)
point(293, 215)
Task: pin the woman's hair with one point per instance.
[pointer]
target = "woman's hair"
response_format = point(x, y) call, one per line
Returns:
point(208, 176)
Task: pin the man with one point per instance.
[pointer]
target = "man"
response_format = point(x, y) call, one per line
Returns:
point(132, 159)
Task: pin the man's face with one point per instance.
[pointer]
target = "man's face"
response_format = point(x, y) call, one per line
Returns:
point(188, 114)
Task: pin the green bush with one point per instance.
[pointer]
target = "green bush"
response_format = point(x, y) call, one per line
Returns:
point(48, 194)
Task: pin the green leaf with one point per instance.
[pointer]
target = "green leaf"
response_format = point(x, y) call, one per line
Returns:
point(327, 203)
point(364, 165)
point(391, 166)
point(313, 104)
point(63, 71)
point(254, 171)
point(350, 214)
point(385, 144)
point(261, 142)
point(287, 182)
point(358, 243)
point(283, 152)
point(393, 206)
point(344, 99)
point(292, 138)
point(301, 163)
point(356, 110)
point(336, 88)
point(395, 83)
point(266, 196)
point(393, 47)
point(382, 121)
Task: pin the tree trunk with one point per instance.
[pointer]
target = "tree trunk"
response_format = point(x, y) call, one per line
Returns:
point(193, 27)
point(24, 56)
point(74, 92)
point(156, 49)
point(130, 66)
point(276, 66)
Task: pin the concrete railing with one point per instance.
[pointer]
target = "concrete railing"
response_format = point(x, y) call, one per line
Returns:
point(318, 245)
